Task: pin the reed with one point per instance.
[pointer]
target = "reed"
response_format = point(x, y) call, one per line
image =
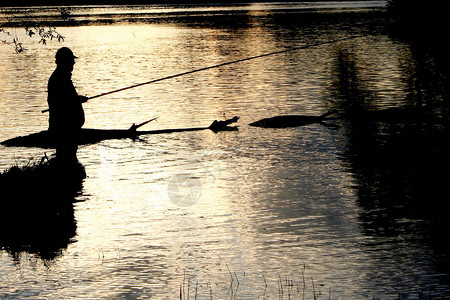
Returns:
point(285, 288)
point(282, 286)
point(28, 174)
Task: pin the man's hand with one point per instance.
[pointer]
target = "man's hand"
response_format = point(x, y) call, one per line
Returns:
point(83, 99)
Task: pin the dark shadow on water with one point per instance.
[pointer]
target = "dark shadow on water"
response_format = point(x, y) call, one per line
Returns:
point(37, 208)
point(399, 156)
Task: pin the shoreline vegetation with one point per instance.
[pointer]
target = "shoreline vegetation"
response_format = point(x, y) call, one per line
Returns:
point(41, 175)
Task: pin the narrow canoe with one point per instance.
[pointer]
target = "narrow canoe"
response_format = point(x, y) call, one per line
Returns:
point(91, 136)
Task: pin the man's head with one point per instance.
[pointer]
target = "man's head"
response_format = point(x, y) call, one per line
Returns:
point(65, 58)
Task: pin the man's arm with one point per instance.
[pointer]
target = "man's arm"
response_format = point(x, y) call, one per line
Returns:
point(83, 99)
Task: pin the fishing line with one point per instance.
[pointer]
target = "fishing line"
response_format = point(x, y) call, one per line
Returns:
point(223, 64)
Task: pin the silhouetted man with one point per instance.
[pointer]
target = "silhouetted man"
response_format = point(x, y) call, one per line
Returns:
point(65, 106)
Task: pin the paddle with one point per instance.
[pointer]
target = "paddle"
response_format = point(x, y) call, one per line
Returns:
point(134, 126)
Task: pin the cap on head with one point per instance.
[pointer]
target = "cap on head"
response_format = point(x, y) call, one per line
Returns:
point(64, 54)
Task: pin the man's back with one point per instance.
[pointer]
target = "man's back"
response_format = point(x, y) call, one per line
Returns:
point(66, 111)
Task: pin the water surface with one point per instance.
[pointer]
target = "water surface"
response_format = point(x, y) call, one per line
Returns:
point(333, 211)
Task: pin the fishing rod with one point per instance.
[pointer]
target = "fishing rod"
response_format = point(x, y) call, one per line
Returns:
point(221, 65)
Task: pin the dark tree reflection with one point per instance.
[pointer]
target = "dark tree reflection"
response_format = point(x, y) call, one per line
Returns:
point(398, 156)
